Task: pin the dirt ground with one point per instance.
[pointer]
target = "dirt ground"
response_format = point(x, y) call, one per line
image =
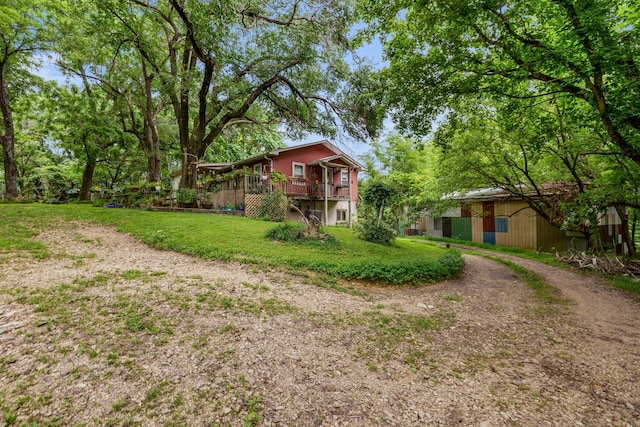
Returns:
point(108, 331)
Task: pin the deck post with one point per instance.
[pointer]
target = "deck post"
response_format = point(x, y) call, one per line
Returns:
point(326, 193)
point(349, 204)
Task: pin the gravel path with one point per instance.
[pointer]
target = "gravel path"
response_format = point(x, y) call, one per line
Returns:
point(108, 331)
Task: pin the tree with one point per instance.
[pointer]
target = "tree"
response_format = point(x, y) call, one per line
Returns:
point(86, 125)
point(21, 26)
point(550, 155)
point(267, 62)
point(440, 51)
point(93, 46)
point(406, 166)
point(240, 142)
point(378, 199)
point(34, 152)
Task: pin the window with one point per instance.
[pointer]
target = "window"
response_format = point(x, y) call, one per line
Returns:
point(502, 225)
point(257, 168)
point(342, 215)
point(344, 177)
point(298, 170)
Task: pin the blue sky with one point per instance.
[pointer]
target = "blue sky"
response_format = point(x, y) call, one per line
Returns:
point(371, 52)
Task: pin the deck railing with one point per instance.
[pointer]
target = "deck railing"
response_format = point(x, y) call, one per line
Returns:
point(295, 187)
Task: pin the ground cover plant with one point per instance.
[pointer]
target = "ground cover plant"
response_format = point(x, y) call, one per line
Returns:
point(241, 239)
point(98, 328)
point(622, 281)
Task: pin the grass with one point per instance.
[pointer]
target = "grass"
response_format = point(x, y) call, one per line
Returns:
point(624, 282)
point(627, 283)
point(243, 240)
point(546, 293)
point(523, 253)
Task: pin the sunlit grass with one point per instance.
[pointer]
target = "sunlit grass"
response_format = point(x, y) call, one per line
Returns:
point(240, 239)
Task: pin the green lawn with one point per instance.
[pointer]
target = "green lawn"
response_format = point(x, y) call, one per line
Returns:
point(241, 239)
point(625, 282)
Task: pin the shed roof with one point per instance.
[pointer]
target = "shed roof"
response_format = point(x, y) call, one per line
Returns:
point(521, 190)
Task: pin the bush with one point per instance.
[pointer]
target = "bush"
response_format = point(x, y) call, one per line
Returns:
point(286, 232)
point(186, 195)
point(292, 232)
point(382, 234)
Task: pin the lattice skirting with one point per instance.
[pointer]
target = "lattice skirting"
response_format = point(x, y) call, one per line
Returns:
point(272, 206)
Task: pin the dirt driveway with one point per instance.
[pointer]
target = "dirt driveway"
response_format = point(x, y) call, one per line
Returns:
point(108, 331)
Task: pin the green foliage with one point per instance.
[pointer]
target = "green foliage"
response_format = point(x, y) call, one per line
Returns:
point(186, 195)
point(23, 27)
point(51, 184)
point(411, 271)
point(292, 232)
point(376, 226)
point(277, 177)
point(443, 51)
point(379, 194)
point(272, 207)
point(285, 232)
point(239, 239)
point(254, 405)
point(382, 234)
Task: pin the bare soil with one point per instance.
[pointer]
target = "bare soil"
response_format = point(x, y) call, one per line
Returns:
point(109, 331)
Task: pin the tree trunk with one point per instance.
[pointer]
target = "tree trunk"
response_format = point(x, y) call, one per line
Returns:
point(154, 170)
point(626, 237)
point(87, 181)
point(151, 148)
point(8, 139)
point(188, 179)
point(152, 151)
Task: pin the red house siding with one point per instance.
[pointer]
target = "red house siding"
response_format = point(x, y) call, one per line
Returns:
point(284, 163)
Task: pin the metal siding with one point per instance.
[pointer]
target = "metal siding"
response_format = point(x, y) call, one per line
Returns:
point(476, 223)
point(521, 231)
point(429, 225)
point(437, 223)
point(452, 212)
point(489, 237)
point(550, 238)
point(461, 228)
point(422, 223)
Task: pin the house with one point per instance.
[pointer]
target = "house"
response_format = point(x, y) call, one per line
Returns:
point(496, 217)
point(320, 180)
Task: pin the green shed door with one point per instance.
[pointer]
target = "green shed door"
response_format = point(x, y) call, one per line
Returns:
point(461, 228)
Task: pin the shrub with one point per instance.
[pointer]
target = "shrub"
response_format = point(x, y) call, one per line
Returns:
point(285, 232)
point(186, 195)
point(293, 232)
point(382, 233)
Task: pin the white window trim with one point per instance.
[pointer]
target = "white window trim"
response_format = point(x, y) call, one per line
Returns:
point(257, 169)
point(343, 174)
point(293, 170)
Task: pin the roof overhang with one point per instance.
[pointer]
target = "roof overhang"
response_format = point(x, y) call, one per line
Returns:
point(331, 162)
